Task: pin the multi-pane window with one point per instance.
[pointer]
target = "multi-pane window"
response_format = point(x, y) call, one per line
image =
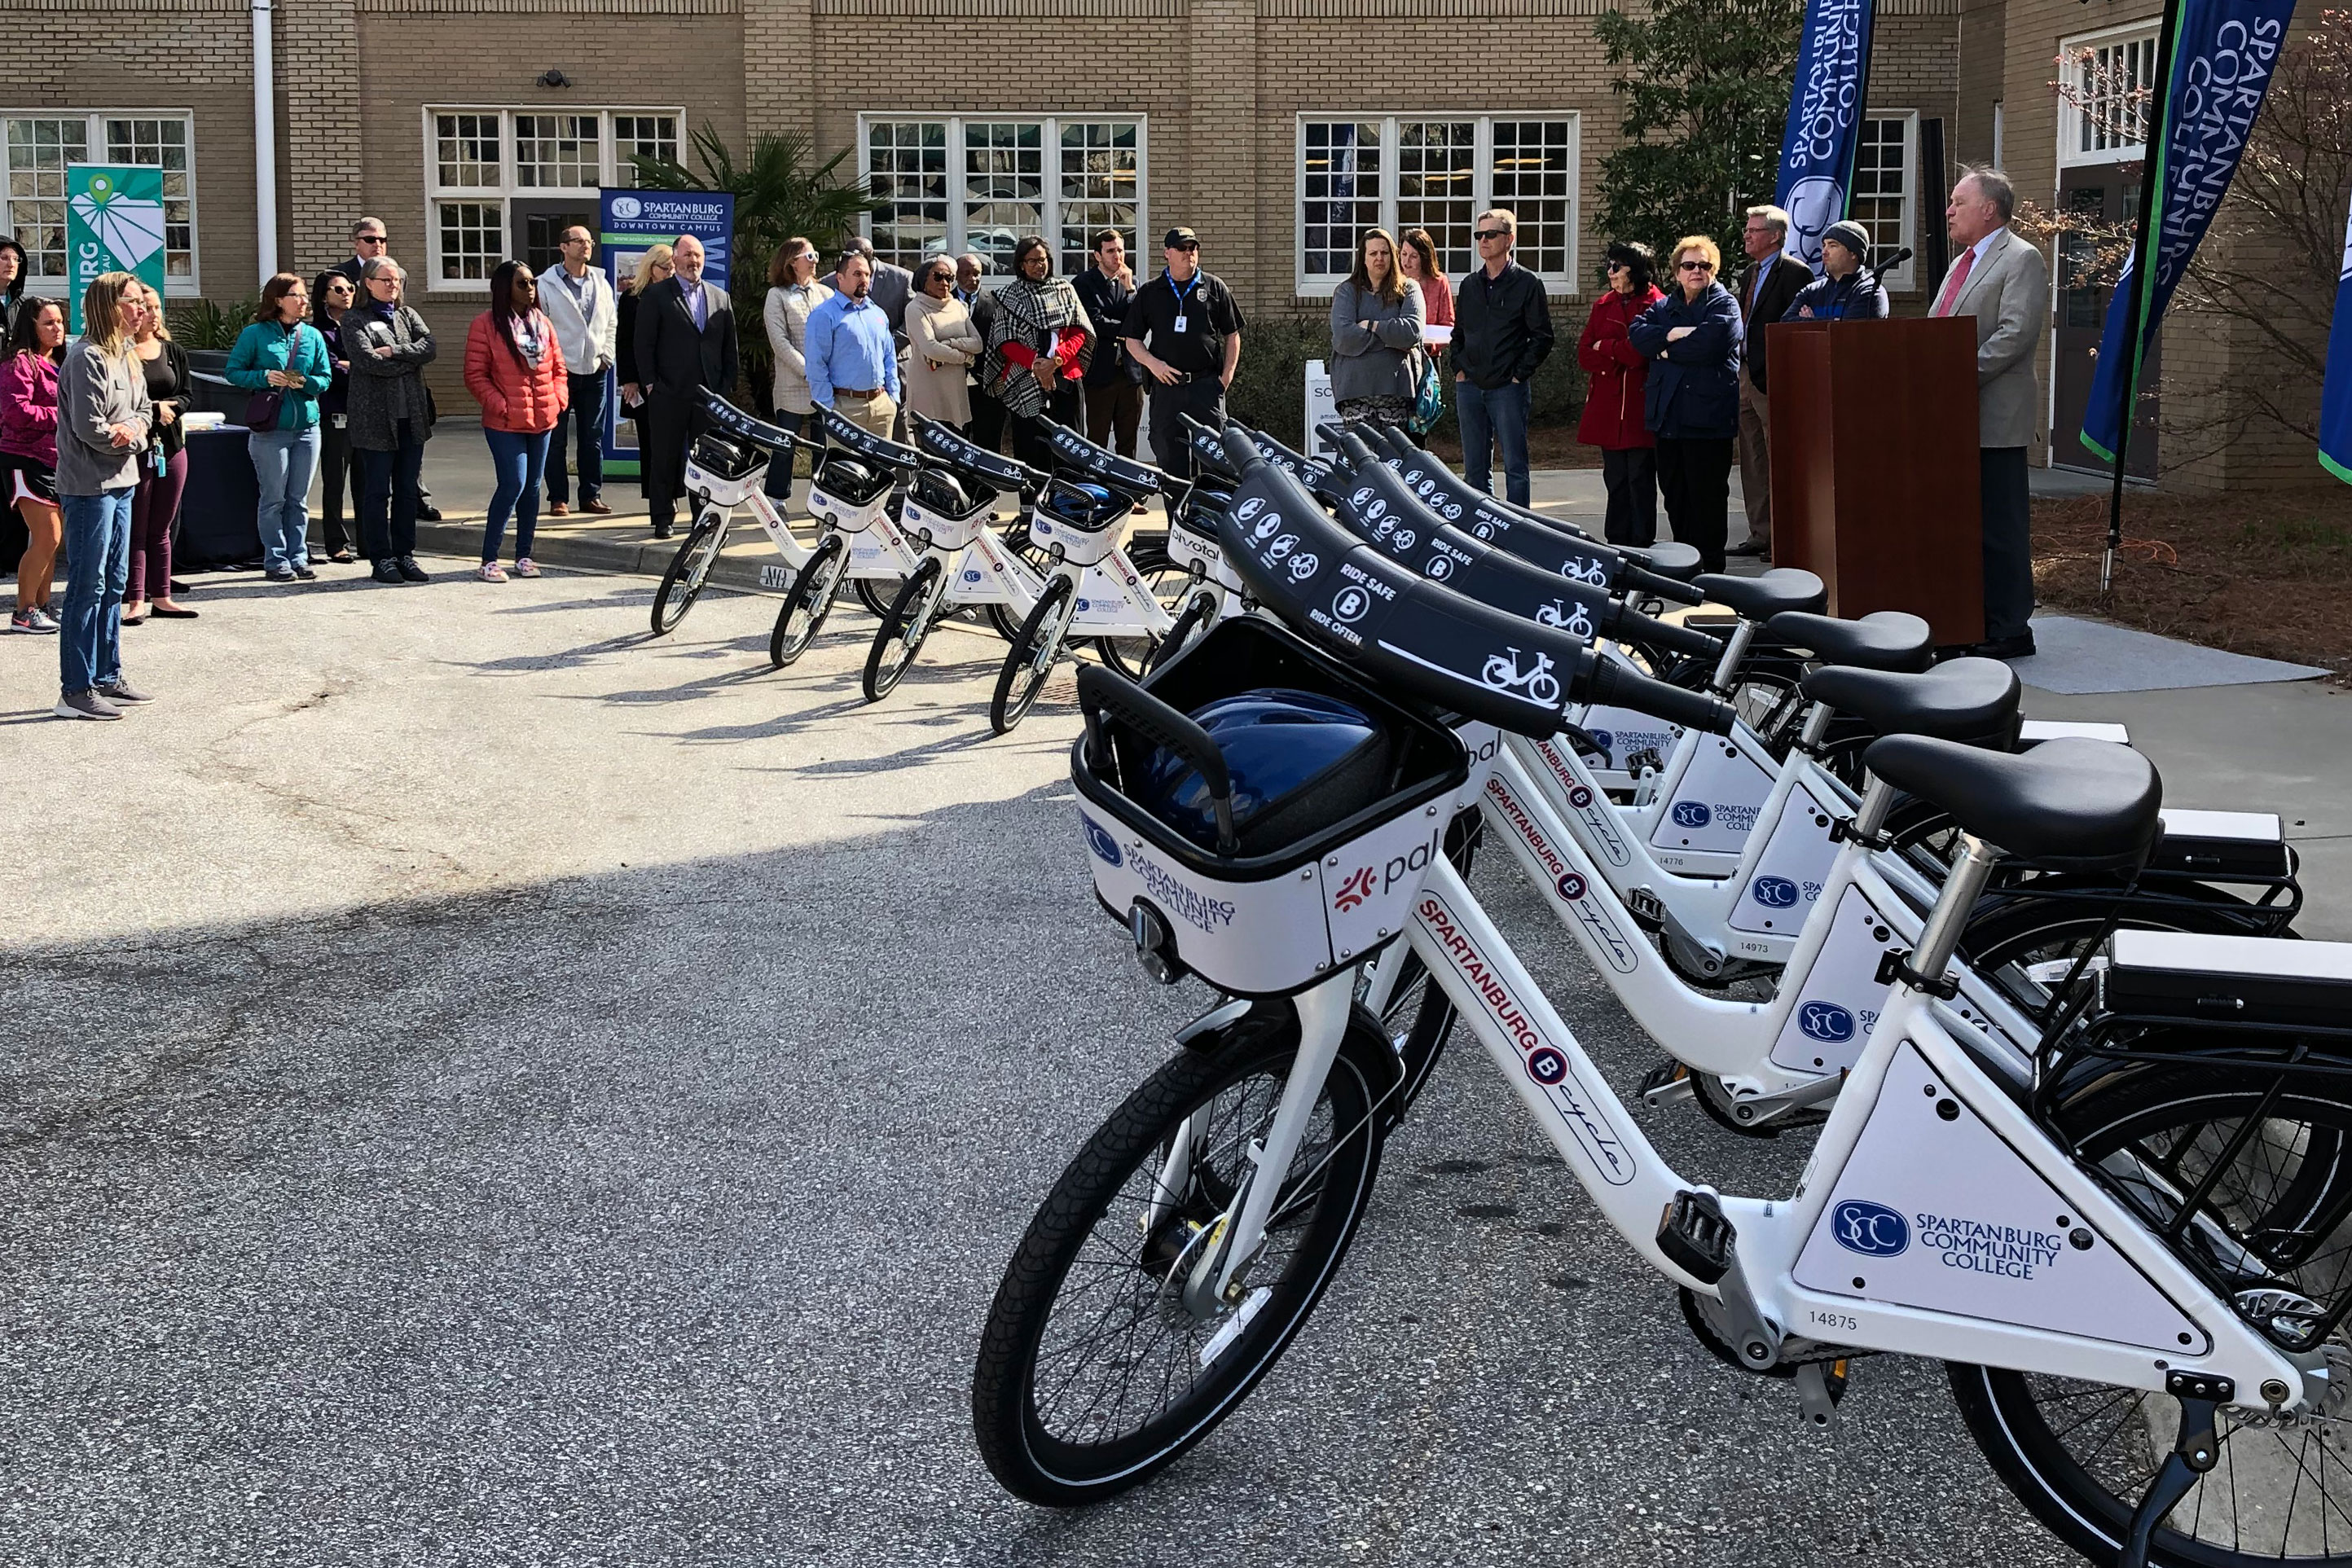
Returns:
point(36, 149)
point(2107, 83)
point(479, 162)
point(1402, 172)
point(1883, 185)
point(983, 183)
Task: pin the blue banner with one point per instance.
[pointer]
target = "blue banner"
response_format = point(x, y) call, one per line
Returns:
point(634, 221)
point(2336, 402)
point(2223, 53)
point(1825, 129)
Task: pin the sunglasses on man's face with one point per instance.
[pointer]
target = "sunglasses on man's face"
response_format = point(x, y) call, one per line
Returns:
point(1485, 235)
point(371, 239)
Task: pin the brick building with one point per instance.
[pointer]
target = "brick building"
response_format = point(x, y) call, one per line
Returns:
point(1275, 128)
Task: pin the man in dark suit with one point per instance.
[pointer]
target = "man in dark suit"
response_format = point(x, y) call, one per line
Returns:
point(685, 339)
point(1773, 278)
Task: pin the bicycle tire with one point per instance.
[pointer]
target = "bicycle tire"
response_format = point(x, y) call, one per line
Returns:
point(1118, 1168)
point(907, 622)
point(2087, 1499)
point(869, 593)
point(683, 582)
point(808, 601)
point(1031, 658)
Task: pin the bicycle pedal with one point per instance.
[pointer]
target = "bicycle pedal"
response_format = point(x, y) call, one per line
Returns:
point(1820, 1385)
point(1696, 1236)
point(1668, 1084)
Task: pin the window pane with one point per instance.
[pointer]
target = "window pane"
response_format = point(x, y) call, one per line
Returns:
point(38, 151)
point(1882, 182)
point(1003, 187)
point(556, 152)
point(162, 144)
point(906, 165)
point(1535, 176)
point(472, 240)
point(1100, 175)
point(1434, 165)
point(642, 136)
point(1340, 192)
point(466, 152)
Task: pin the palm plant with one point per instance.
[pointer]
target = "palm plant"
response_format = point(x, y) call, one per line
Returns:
point(780, 191)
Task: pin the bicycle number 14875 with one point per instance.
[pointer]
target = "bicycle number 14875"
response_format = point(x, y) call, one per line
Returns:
point(1843, 1322)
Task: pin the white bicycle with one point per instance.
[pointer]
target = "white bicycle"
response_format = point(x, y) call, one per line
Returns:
point(2135, 1268)
point(725, 469)
point(857, 540)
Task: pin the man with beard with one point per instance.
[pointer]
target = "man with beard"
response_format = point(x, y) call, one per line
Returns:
point(853, 364)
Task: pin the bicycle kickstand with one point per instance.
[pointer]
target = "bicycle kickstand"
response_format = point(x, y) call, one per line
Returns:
point(2194, 1452)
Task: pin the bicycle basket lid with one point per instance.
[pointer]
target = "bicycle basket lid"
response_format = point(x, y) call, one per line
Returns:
point(1089, 508)
point(848, 479)
point(1300, 761)
point(715, 456)
point(947, 495)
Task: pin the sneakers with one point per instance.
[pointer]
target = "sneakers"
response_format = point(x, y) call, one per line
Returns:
point(526, 567)
point(411, 573)
point(304, 573)
point(386, 571)
point(492, 572)
point(280, 573)
point(120, 690)
point(84, 704)
point(35, 620)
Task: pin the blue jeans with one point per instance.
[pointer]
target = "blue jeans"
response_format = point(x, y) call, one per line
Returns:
point(284, 461)
point(98, 566)
point(586, 416)
point(517, 460)
point(1490, 418)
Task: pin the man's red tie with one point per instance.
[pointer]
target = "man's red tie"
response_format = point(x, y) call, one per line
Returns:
point(1954, 284)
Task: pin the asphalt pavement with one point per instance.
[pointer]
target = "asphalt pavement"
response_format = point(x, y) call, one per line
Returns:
point(489, 1088)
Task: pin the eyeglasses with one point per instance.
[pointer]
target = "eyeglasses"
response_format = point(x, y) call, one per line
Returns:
point(1485, 235)
point(1697, 266)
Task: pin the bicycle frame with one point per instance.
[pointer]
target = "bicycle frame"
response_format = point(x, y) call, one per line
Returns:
point(720, 500)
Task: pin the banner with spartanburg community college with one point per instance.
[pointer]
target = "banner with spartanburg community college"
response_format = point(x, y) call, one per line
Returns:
point(2223, 55)
point(1824, 130)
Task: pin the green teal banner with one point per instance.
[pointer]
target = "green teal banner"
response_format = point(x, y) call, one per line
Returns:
point(114, 222)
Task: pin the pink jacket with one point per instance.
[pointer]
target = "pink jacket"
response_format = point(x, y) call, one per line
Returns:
point(29, 408)
point(515, 397)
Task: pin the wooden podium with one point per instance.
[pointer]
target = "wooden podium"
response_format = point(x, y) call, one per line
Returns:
point(1874, 469)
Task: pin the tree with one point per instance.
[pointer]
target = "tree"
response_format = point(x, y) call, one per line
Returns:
point(1706, 94)
point(780, 191)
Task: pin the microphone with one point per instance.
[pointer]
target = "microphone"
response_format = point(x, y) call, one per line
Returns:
point(1897, 259)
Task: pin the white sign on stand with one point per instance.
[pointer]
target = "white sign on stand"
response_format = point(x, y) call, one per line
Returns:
point(1322, 408)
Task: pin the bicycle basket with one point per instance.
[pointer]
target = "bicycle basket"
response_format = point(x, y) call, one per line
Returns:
point(1334, 804)
point(851, 480)
point(944, 495)
point(723, 459)
point(1088, 508)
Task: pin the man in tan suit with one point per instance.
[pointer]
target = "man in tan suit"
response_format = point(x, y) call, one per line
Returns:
point(2004, 283)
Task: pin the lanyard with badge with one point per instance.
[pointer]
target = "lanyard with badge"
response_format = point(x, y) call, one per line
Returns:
point(1184, 299)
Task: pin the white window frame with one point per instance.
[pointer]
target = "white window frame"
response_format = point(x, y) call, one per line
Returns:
point(612, 170)
point(1904, 278)
point(1050, 192)
point(1317, 286)
point(2071, 118)
point(189, 286)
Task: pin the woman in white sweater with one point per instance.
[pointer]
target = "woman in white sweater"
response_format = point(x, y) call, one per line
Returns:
point(792, 292)
point(943, 343)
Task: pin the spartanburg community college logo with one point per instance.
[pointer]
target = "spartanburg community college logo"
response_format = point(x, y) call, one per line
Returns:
point(1098, 840)
point(1826, 1021)
point(1774, 892)
point(626, 208)
point(1692, 814)
point(1869, 1228)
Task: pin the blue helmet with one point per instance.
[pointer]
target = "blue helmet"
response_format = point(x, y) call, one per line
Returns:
point(1299, 762)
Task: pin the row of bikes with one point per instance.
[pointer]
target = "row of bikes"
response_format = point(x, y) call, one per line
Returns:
point(2080, 1100)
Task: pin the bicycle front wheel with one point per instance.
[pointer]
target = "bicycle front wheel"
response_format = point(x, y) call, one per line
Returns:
point(689, 569)
point(1092, 1374)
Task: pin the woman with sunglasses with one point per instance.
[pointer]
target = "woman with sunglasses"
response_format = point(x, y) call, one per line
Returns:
point(943, 345)
point(332, 295)
point(658, 263)
point(1691, 341)
point(1617, 380)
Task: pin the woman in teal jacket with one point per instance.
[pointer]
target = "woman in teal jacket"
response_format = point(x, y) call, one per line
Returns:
point(282, 360)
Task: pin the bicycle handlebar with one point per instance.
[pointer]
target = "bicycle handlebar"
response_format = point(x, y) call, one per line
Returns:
point(1642, 579)
point(1617, 687)
point(1100, 687)
point(728, 419)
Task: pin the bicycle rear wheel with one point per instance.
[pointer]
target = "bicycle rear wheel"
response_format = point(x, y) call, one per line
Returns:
point(1093, 1376)
point(2079, 1454)
point(689, 569)
point(808, 601)
point(1031, 659)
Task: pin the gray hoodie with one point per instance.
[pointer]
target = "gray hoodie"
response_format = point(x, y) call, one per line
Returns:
point(95, 392)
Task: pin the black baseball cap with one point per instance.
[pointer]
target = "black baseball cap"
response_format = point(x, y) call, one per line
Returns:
point(1181, 237)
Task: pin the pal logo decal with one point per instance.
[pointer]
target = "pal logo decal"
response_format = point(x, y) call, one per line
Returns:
point(1869, 1228)
point(1354, 891)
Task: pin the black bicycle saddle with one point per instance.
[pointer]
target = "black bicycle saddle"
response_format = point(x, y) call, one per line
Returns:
point(2069, 803)
point(1971, 701)
point(1883, 640)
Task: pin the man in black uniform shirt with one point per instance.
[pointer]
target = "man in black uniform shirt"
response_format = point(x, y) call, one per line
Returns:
point(1185, 330)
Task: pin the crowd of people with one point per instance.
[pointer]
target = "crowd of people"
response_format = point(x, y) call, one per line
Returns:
point(93, 445)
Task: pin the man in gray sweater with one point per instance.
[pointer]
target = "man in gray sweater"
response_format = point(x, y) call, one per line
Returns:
point(103, 416)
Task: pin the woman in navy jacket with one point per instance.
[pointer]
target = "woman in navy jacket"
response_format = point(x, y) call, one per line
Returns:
point(1691, 338)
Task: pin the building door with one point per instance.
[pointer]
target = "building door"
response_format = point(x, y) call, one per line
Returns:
point(2107, 192)
point(537, 224)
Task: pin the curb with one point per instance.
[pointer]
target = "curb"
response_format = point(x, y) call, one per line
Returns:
point(744, 573)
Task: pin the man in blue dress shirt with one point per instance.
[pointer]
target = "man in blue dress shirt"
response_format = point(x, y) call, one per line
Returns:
point(853, 364)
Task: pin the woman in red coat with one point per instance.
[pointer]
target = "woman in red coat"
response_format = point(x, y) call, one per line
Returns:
point(515, 371)
point(1616, 376)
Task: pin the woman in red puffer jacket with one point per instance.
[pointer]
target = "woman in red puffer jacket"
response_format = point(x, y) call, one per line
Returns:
point(1616, 377)
point(515, 371)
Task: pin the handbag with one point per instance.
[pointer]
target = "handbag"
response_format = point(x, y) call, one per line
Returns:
point(262, 409)
point(1428, 398)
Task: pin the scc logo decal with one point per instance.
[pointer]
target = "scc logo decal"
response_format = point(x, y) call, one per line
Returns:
point(1603, 739)
point(1774, 892)
point(1098, 840)
point(1354, 891)
point(1826, 1021)
point(1571, 886)
point(1869, 1228)
point(1579, 797)
point(1692, 814)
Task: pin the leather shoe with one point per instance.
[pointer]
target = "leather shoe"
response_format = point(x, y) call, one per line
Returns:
point(2018, 647)
point(661, 530)
point(559, 509)
point(429, 514)
point(599, 507)
point(1751, 546)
